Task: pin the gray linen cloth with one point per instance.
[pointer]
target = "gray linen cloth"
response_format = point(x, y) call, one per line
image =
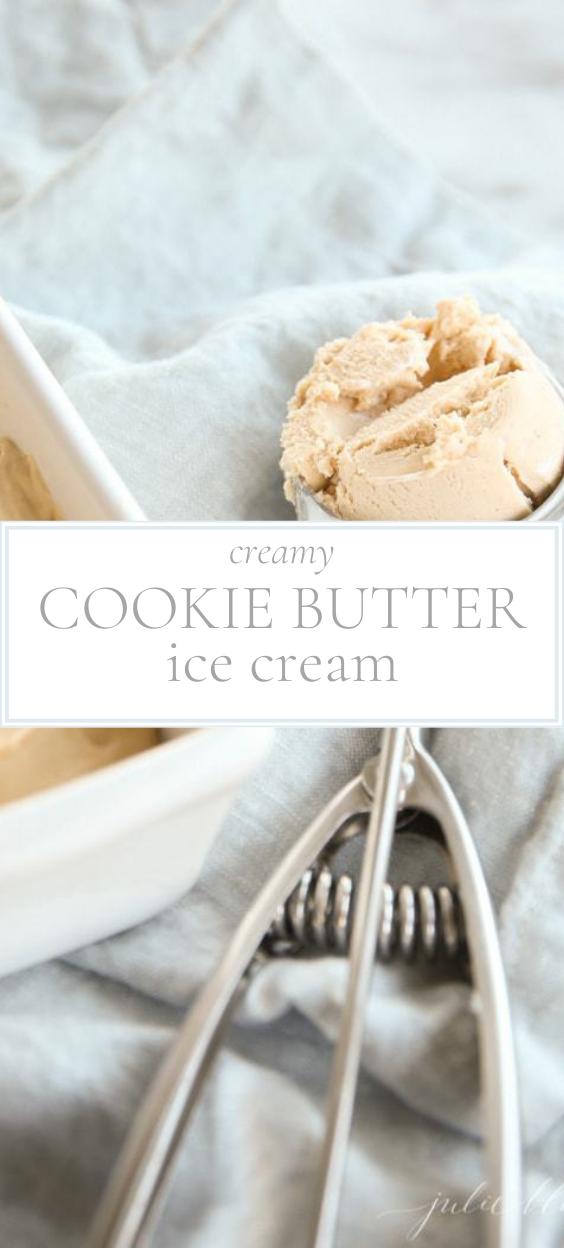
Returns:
point(179, 232)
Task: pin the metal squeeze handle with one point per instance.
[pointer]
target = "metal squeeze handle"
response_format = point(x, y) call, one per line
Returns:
point(140, 1181)
point(344, 1074)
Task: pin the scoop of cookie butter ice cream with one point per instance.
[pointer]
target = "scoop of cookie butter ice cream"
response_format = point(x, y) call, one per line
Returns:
point(443, 418)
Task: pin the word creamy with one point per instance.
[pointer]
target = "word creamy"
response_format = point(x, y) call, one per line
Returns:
point(293, 555)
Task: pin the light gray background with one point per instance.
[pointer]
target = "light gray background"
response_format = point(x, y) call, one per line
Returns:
point(476, 87)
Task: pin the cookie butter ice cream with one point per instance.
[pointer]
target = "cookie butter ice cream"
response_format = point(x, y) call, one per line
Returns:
point(442, 418)
point(32, 759)
point(23, 492)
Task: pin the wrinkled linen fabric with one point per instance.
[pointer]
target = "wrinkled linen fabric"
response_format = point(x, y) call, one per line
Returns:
point(189, 209)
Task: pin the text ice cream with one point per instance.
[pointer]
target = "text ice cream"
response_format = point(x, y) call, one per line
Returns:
point(445, 418)
point(32, 759)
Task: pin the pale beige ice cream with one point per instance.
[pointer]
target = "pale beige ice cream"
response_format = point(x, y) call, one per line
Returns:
point(23, 492)
point(32, 759)
point(446, 418)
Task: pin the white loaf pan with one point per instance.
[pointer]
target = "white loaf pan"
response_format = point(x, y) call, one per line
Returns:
point(108, 850)
point(36, 413)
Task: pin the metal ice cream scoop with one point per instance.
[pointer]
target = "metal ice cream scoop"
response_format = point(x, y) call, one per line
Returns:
point(306, 906)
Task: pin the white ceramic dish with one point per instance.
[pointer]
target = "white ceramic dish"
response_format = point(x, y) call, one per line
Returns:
point(36, 413)
point(106, 851)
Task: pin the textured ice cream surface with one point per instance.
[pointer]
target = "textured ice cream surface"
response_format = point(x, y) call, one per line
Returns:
point(32, 759)
point(23, 492)
point(443, 418)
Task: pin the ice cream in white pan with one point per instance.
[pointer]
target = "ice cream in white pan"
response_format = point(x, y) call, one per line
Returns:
point(33, 759)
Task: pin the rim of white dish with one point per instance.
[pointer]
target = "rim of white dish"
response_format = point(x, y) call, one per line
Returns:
point(62, 418)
